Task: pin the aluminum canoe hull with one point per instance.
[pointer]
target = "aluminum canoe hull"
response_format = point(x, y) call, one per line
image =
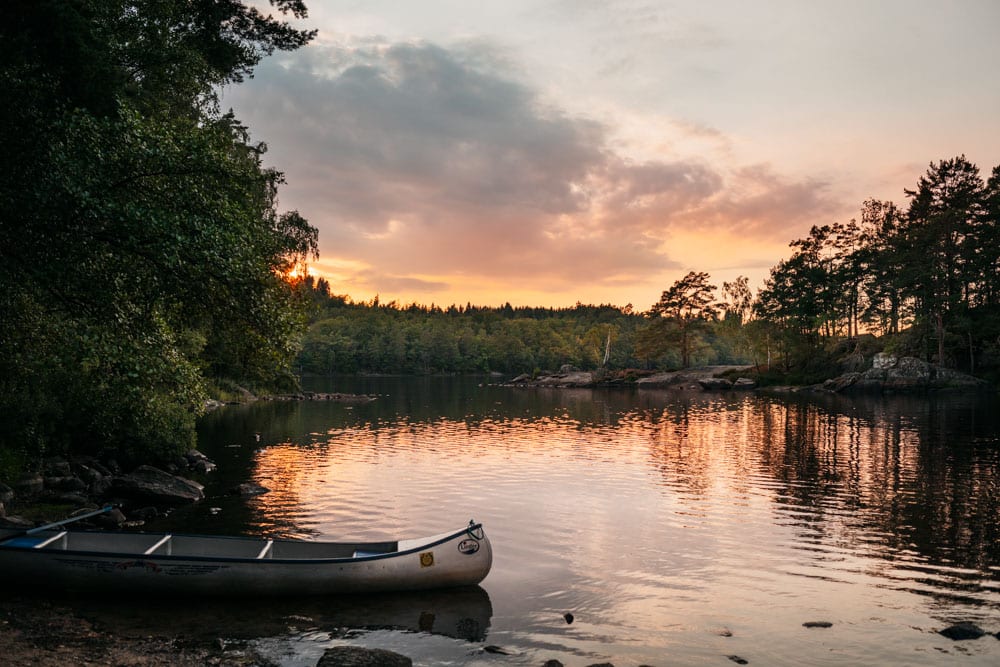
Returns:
point(461, 558)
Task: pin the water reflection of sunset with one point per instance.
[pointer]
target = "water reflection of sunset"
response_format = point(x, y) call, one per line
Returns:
point(655, 517)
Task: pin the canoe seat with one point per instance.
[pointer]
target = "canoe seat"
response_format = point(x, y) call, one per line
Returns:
point(163, 542)
point(266, 551)
point(54, 538)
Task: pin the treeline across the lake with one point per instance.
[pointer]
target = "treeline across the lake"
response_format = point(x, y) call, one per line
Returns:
point(917, 281)
point(142, 255)
point(376, 337)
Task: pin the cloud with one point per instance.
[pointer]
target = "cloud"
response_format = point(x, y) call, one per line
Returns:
point(433, 165)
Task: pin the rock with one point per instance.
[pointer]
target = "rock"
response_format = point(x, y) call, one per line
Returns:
point(249, 490)
point(69, 484)
point(738, 660)
point(29, 485)
point(601, 664)
point(204, 466)
point(568, 617)
point(894, 374)
point(193, 456)
point(495, 650)
point(14, 521)
point(6, 493)
point(715, 384)
point(744, 384)
point(144, 513)
point(152, 485)
point(87, 473)
point(523, 377)
point(817, 624)
point(3, 511)
point(552, 663)
point(962, 631)
point(57, 468)
point(100, 487)
point(111, 519)
point(64, 498)
point(356, 656)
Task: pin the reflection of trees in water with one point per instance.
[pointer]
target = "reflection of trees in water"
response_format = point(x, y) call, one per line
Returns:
point(887, 475)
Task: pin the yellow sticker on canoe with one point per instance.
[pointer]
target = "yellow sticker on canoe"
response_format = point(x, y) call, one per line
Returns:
point(427, 559)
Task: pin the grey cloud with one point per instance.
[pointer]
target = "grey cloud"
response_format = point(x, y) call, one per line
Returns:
point(426, 161)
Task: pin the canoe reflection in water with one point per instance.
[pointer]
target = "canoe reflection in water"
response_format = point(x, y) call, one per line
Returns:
point(460, 613)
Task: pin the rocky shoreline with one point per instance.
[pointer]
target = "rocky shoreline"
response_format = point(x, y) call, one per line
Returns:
point(883, 374)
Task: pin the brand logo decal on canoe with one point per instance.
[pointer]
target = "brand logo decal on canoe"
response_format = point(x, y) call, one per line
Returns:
point(427, 559)
point(468, 547)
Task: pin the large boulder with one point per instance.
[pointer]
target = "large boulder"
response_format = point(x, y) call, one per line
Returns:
point(152, 485)
point(893, 374)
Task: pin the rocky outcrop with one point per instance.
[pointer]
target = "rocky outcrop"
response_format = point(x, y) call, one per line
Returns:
point(335, 397)
point(901, 374)
point(697, 379)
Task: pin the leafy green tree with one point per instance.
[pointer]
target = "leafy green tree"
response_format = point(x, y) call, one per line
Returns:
point(142, 254)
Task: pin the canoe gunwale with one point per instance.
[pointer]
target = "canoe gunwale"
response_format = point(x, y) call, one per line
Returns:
point(469, 530)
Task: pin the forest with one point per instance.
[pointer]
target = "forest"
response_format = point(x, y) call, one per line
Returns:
point(919, 280)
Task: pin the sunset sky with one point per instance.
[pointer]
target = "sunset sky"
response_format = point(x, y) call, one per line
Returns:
point(553, 151)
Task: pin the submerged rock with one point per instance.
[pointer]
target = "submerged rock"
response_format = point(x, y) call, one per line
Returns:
point(248, 489)
point(963, 630)
point(356, 656)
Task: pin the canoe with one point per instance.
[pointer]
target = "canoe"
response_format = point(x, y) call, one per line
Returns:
point(171, 563)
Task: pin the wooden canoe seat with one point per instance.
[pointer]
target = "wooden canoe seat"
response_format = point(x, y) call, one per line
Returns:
point(164, 542)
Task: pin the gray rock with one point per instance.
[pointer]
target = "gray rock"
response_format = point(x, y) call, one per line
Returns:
point(101, 486)
point(152, 485)
point(111, 519)
point(29, 485)
point(57, 468)
point(144, 513)
point(6, 493)
point(715, 384)
point(69, 484)
point(203, 466)
point(356, 656)
point(87, 473)
point(14, 521)
point(250, 490)
point(744, 383)
point(900, 374)
point(962, 631)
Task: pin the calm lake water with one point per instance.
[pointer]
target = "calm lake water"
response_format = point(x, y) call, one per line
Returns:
point(677, 529)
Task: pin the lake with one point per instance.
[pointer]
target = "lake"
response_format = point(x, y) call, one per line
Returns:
point(676, 528)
